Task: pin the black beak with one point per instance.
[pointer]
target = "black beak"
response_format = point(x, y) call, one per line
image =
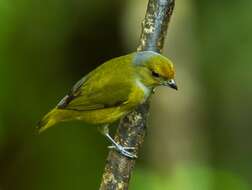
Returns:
point(171, 83)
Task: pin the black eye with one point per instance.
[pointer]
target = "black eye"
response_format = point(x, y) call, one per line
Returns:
point(154, 74)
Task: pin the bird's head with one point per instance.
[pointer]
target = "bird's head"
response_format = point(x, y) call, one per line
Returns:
point(154, 69)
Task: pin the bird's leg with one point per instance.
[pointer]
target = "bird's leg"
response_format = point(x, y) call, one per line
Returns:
point(123, 150)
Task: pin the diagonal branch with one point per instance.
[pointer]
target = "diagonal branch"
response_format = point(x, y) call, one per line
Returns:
point(132, 128)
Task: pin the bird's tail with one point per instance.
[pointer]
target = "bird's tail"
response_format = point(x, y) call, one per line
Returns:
point(48, 121)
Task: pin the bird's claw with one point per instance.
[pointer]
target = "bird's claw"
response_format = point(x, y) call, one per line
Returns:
point(124, 150)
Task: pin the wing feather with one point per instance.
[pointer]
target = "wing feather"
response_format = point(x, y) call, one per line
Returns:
point(106, 97)
point(106, 86)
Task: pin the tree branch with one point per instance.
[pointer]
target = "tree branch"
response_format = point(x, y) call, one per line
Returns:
point(132, 128)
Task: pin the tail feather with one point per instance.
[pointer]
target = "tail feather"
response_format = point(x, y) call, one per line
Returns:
point(47, 121)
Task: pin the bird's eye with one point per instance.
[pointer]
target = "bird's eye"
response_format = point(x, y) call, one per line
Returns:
point(154, 74)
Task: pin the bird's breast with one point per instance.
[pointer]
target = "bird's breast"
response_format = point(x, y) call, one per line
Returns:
point(139, 94)
point(145, 90)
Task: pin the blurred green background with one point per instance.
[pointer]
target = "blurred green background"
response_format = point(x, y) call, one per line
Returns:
point(199, 138)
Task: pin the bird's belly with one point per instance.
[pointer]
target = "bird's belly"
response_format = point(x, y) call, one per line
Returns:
point(102, 116)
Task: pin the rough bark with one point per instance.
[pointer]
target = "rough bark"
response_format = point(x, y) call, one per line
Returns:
point(132, 128)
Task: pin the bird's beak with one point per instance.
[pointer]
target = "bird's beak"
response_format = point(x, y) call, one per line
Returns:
point(171, 83)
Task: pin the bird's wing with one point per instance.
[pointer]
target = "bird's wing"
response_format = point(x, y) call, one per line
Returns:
point(74, 92)
point(91, 95)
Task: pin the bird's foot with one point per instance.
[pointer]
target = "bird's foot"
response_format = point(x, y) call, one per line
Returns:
point(124, 150)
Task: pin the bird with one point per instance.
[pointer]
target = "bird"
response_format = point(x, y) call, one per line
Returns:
point(111, 91)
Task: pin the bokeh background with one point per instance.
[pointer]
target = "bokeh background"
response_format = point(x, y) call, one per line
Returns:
point(199, 138)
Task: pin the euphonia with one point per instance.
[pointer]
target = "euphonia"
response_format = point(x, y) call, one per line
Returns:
point(111, 91)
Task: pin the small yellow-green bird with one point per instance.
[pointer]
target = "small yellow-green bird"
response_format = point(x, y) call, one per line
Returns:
point(111, 91)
